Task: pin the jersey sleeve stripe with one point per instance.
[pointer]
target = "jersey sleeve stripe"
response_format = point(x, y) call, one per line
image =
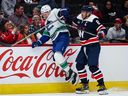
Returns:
point(100, 28)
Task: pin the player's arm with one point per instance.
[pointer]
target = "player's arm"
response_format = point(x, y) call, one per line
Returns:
point(74, 22)
point(100, 29)
point(45, 37)
point(77, 24)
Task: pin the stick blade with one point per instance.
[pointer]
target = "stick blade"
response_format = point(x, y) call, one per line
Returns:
point(5, 44)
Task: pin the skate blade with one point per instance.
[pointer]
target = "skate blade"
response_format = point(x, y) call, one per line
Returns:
point(82, 92)
point(103, 92)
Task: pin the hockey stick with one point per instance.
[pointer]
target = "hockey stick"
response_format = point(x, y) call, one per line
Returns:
point(76, 28)
point(120, 40)
point(80, 29)
point(11, 45)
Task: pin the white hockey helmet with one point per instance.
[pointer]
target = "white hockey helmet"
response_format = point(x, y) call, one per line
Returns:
point(45, 8)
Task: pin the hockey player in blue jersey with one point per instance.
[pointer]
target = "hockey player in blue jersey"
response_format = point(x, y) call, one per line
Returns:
point(59, 35)
point(90, 48)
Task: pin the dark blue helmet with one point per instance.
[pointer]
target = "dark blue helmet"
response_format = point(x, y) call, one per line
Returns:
point(87, 8)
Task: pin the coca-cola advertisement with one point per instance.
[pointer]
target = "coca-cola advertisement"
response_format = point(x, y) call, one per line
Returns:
point(27, 65)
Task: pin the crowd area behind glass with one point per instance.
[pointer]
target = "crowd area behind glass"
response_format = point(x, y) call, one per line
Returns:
point(19, 18)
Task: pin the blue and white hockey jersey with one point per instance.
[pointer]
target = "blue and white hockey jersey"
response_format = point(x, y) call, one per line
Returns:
point(91, 25)
point(54, 29)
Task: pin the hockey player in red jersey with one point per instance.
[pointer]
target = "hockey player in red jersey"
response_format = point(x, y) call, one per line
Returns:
point(90, 48)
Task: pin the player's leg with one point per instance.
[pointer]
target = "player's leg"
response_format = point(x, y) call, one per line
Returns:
point(70, 74)
point(93, 57)
point(59, 47)
point(80, 66)
point(61, 43)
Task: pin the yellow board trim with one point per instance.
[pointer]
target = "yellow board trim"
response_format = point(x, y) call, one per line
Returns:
point(53, 87)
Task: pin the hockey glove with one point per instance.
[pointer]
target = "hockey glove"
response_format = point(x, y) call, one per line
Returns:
point(101, 36)
point(64, 12)
point(35, 44)
point(41, 41)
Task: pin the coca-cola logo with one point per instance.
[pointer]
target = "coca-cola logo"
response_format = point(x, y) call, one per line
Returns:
point(42, 65)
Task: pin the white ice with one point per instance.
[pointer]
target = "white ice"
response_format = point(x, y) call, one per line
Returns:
point(111, 93)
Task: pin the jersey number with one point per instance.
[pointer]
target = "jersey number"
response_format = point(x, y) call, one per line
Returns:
point(49, 28)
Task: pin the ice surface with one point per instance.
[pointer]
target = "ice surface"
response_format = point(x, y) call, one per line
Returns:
point(111, 93)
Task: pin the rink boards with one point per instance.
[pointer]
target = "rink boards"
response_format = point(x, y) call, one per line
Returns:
point(27, 70)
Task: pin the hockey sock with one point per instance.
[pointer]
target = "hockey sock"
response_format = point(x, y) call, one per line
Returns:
point(97, 74)
point(65, 66)
point(83, 75)
point(60, 60)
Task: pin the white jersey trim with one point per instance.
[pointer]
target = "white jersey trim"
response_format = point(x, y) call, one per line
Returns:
point(89, 19)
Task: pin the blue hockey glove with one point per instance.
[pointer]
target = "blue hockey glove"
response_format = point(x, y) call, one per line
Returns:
point(41, 41)
point(35, 44)
point(65, 13)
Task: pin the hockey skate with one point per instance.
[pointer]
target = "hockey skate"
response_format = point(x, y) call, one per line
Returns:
point(102, 90)
point(84, 89)
point(72, 77)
